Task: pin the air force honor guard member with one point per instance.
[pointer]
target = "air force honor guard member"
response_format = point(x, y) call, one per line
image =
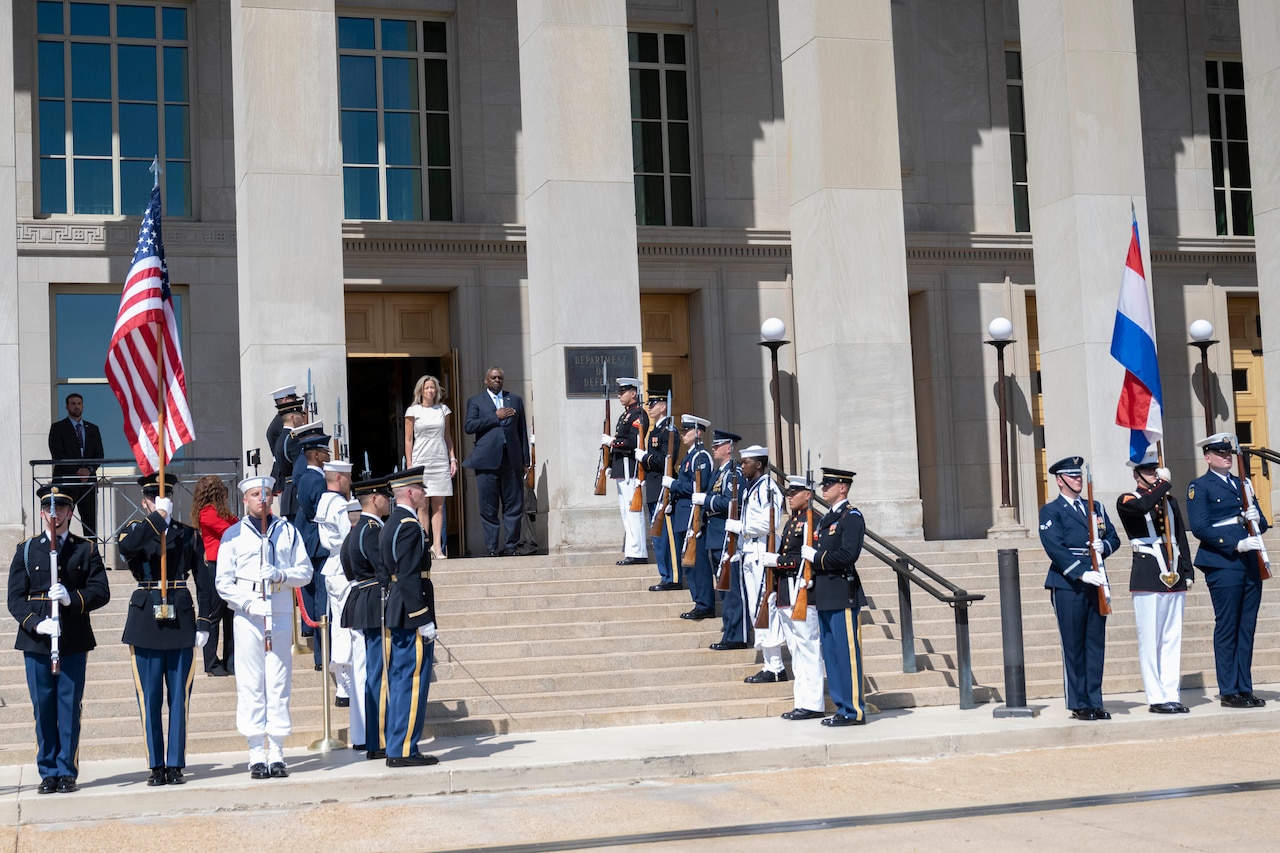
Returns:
point(362, 564)
point(1072, 585)
point(1159, 587)
point(260, 562)
point(716, 503)
point(628, 437)
point(1228, 557)
point(81, 587)
point(653, 461)
point(161, 627)
point(405, 550)
point(694, 475)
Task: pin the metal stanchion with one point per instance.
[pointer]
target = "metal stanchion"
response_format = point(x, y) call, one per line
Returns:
point(1015, 671)
point(327, 742)
point(299, 647)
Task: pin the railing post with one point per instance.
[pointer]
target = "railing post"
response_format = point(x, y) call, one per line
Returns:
point(964, 662)
point(1015, 675)
point(906, 624)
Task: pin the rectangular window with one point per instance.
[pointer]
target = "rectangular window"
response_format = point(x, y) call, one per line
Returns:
point(1229, 147)
point(113, 92)
point(661, 132)
point(397, 143)
point(1017, 140)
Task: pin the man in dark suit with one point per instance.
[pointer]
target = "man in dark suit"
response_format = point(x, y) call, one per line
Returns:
point(500, 458)
point(75, 438)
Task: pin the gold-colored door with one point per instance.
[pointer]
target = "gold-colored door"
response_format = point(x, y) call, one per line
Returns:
point(1250, 393)
point(664, 332)
point(1037, 401)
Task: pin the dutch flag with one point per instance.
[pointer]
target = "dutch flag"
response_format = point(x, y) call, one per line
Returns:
point(1133, 344)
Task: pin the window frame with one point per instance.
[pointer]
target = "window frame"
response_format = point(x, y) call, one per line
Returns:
point(1226, 215)
point(689, 67)
point(1015, 87)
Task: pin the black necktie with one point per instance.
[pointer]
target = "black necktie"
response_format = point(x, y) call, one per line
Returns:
point(80, 437)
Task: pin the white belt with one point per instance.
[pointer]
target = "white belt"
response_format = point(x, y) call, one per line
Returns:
point(1145, 543)
point(1227, 522)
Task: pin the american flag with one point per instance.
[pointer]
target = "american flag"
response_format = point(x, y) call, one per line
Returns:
point(146, 313)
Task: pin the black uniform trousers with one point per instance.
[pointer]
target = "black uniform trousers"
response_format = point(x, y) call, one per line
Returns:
point(220, 616)
point(1084, 644)
point(1236, 597)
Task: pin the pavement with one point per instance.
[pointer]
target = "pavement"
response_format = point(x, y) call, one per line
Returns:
point(116, 789)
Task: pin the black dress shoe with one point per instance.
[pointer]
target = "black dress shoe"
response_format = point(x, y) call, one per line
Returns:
point(1164, 708)
point(492, 554)
point(728, 647)
point(842, 720)
point(358, 747)
point(632, 561)
point(697, 613)
point(278, 770)
point(417, 759)
point(1087, 714)
point(1180, 708)
point(259, 771)
point(342, 702)
point(1254, 701)
point(375, 754)
point(665, 586)
point(48, 785)
point(67, 784)
point(1235, 700)
point(802, 714)
point(217, 670)
point(174, 775)
point(764, 676)
point(158, 777)
point(509, 552)
point(1101, 714)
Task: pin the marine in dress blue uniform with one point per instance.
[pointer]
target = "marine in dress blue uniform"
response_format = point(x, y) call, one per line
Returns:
point(81, 587)
point(715, 508)
point(1228, 556)
point(362, 564)
point(1073, 586)
point(653, 462)
point(695, 473)
point(308, 476)
point(405, 550)
point(162, 643)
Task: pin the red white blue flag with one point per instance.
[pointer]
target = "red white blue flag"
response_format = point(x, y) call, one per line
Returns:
point(1133, 344)
point(144, 321)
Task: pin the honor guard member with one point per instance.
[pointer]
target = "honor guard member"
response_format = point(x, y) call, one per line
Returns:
point(281, 397)
point(1073, 586)
point(761, 521)
point(837, 594)
point(801, 635)
point(362, 564)
point(715, 504)
point(80, 587)
point(694, 474)
point(405, 549)
point(308, 477)
point(653, 462)
point(260, 562)
point(628, 436)
point(1159, 580)
point(1228, 556)
point(346, 654)
point(161, 627)
point(286, 452)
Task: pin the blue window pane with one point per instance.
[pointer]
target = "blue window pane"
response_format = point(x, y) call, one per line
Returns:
point(53, 127)
point(400, 84)
point(173, 23)
point(360, 187)
point(91, 71)
point(175, 74)
point(136, 67)
point(358, 84)
point(403, 139)
point(139, 131)
point(90, 19)
point(136, 180)
point(93, 186)
point(177, 183)
point(49, 18)
point(177, 141)
point(404, 194)
point(53, 185)
point(91, 128)
point(359, 137)
point(84, 322)
point(356, 33)
point(52, 75)
point(437, 140)
point(399, 35)
point(437, 84)
point(136, 22)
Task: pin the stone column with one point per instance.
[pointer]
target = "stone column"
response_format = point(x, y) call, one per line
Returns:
point(1260, 44)
point(289, 205)
point(13, 484)
point(1085, 167)
point(581, 231)
point(852, 334)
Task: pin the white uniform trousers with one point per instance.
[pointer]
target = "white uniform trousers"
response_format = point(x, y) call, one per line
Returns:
point(263, 679)
point(635, 527)
point(346, 653)
point(806, 654)
point(768, 640)
point(1159, 619)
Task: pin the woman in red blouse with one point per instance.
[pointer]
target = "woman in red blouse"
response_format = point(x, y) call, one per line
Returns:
point(211, 515)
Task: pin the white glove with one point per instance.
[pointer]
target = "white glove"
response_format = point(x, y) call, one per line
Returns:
point(1252, 515)
point(808, 552)
point(202, 637)
point(606, 440)
point(164, 505)
point(639, 454)
point(1249, 543)
point(427, 632)
point(1092, 578)
point(699, 498)
point(258, 607)
point(48, 627)
point(668, 482)
point(769, 559)
point(1099, 545)
point(773, 601)
point(59, 592)
point(670, 509)
point(1163, 474)
point(270, 574)
point(1190, 581)
point(733, 525)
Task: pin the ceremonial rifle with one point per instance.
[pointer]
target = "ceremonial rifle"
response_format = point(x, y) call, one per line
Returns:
point(724, 570)
point(1169, 577)
point(263, 551)
point(637, 497)
point(602, 469)
point(1247, 500)
point(689, 555)
point(1099, 566)
point(664, 497)
point(771, 545)
point(800, 610)
point(340, 449)
point(531, 474)
point(367, 473)
point(55, 654)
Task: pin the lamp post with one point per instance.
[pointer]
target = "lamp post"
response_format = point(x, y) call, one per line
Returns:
point(1202, 338)
point(774, 331)
point(1001, 331)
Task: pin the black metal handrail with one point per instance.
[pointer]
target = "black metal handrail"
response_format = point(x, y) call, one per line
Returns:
point(910, 570)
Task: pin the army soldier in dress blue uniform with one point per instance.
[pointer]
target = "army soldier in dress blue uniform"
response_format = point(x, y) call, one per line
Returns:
point(1073, 586)
point(695, 474)
point(162, 629)
point(715, 507)
point(653, 461)
point(837, 594)
point(628, 436)
point(362, 564)
point(1228, 556)
point(405, 549)
point(80, 588)
point(308, 477)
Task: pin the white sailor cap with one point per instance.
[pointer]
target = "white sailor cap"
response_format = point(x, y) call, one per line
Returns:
point(265, 483)
point(755, 451)
point(285, 391)
point(337, 467)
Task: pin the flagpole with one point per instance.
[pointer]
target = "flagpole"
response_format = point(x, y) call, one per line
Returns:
point(163, 611)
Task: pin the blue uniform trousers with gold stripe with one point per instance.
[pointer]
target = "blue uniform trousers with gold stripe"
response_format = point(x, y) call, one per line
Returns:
point(155, 673)
point(57, 701)
point(375, 692)
point(408, 676)
point(841, 638)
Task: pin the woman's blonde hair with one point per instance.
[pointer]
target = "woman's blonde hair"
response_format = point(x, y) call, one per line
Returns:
point(422, 386)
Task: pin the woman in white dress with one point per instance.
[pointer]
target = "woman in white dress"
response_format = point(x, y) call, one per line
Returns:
point(428, 442)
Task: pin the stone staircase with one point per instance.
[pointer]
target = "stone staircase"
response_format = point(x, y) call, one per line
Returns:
point(573, 641)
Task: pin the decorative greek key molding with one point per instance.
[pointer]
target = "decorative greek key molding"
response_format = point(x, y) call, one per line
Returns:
point(114, 238)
